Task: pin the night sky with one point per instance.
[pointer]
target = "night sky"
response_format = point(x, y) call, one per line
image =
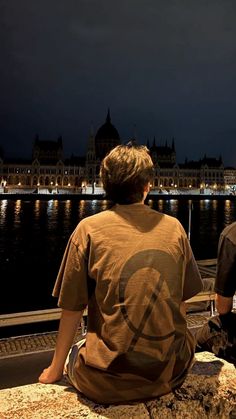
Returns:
point(165, 68)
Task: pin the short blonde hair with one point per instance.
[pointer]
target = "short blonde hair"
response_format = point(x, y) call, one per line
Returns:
point(125, 172)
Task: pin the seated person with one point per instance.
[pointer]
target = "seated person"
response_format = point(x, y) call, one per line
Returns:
point(220, 333)
point(133, 268)
point(225, 285)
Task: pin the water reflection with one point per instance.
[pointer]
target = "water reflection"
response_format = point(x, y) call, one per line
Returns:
point(52, 213)
point(67, 208)
point(94, 206)
point(174, 206)
point(64, 214)
point(104, 205)
point(214, 215)
point(205, 204)
point(37, 210)
point(227, 212)
point(160, 205)
point(17, 211)
point(3, 211)
point(82, 209)
point(214, 204)
point(170, 206)
point(35, 234)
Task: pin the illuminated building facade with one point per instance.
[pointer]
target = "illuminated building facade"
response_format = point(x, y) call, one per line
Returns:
point(49, 172)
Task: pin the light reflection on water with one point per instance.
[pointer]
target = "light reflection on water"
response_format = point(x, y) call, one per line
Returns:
point(37, 209)
point(172, 208)
point(65, 214)
point(3, 210)
point(82, 209)
point(160, 206)
point(34, 234)
point(169, 206)
point(215, 215)
point(227, 212)
point(17, 213)
point(52, 213)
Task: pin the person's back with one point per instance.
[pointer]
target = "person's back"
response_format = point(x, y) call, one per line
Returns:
point(219, 335)
point(225, 284)
point(133, 267)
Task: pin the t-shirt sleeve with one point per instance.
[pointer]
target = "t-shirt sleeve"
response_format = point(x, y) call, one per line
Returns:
point(71, 286)
point(225, 283)
point(193, 283)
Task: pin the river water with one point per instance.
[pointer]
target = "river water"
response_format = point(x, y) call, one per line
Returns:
point(34, 233)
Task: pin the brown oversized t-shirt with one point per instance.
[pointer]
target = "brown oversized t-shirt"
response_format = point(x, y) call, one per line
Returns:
point(132, 267)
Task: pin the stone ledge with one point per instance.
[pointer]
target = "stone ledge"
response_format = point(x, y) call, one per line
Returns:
point(209, 391)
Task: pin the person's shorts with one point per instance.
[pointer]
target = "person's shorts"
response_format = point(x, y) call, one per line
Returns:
point(69, 366)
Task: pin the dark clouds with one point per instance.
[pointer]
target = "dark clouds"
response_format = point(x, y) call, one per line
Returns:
point(167, 67)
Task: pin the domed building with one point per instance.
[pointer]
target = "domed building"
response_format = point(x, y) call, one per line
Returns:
point(106, 138)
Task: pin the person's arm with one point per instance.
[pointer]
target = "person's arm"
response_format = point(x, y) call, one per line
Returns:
point(68, 326)
point(223, 304)
point(226, 272)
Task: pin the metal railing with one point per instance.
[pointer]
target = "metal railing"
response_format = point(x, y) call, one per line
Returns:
point(36, 316)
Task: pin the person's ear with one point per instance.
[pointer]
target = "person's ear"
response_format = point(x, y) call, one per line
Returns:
point(147, 187)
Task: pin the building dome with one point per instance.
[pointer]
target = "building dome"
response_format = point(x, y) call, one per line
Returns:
point(107, 137)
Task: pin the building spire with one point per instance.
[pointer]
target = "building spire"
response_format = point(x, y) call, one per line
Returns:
point(173, 144)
